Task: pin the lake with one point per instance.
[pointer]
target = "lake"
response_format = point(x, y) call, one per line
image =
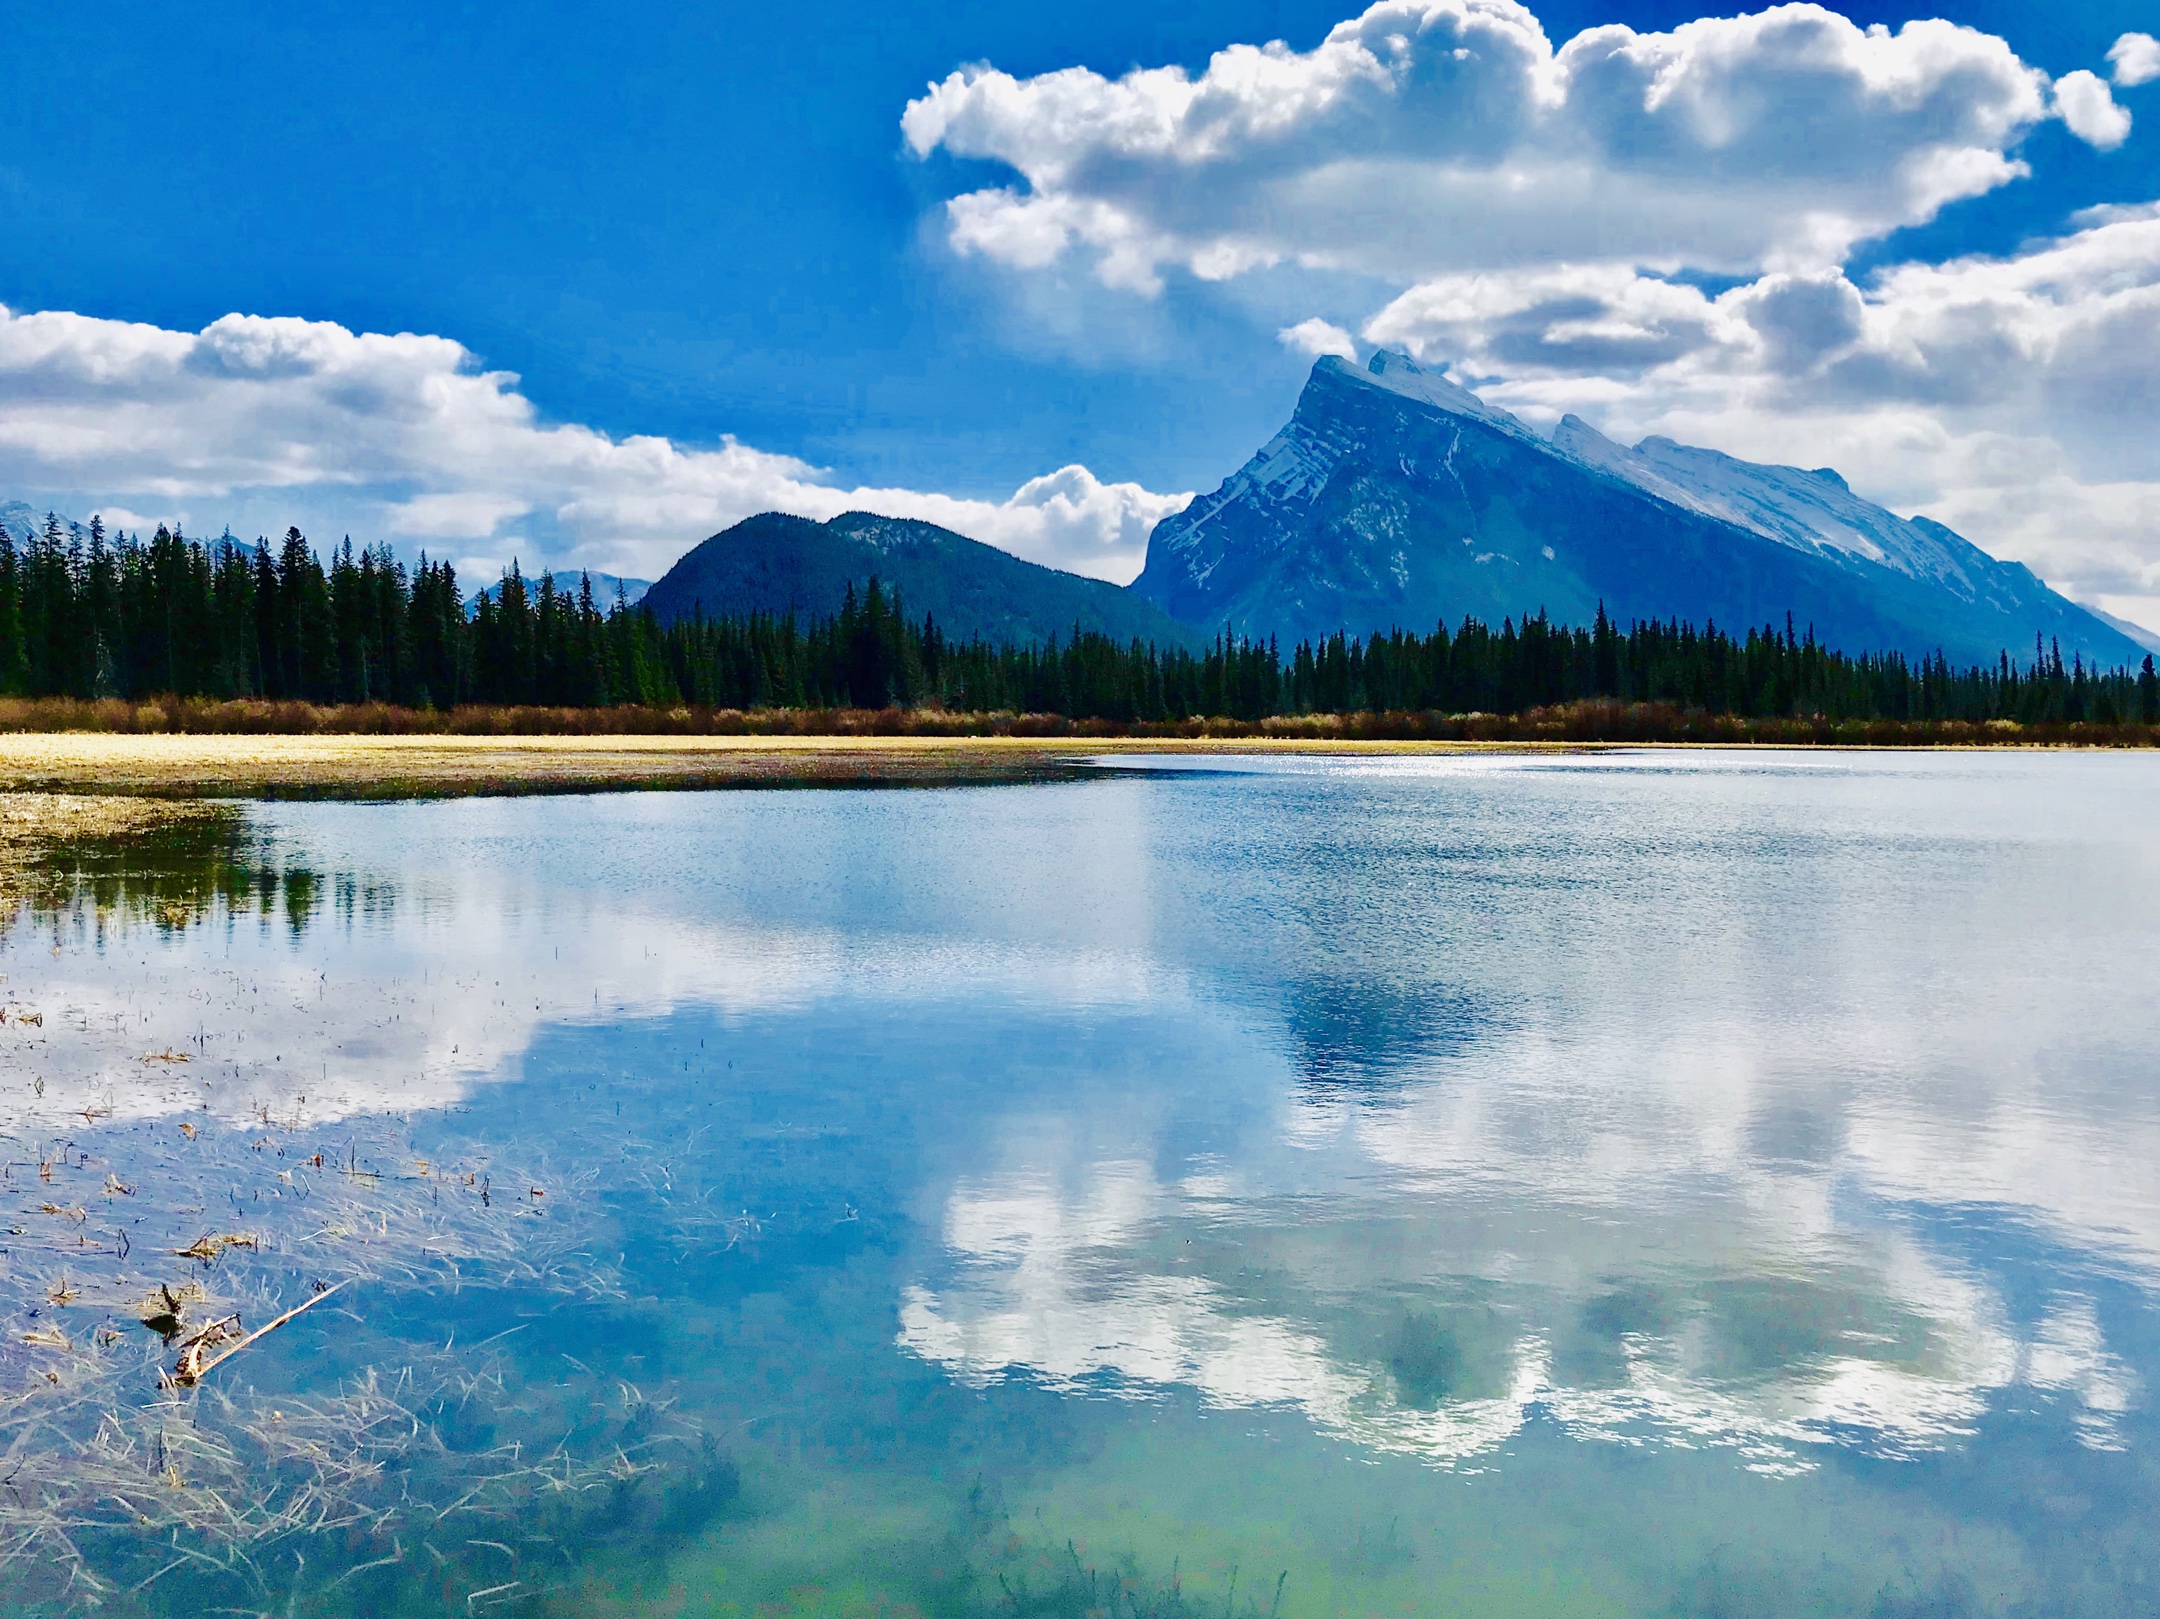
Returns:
point(1654, 1183)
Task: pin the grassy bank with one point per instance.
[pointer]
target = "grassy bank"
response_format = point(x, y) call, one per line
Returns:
point(380, 766)
point(205, 750)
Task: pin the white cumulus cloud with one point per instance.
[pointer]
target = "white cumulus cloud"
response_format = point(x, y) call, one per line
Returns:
point(1433, 135)
point(407, 436)
point(2083, 101)
point(1605, 319)
point(2135, 59)
point(1315, 337)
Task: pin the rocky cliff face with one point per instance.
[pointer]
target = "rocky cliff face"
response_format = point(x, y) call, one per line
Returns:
point(1396, 498)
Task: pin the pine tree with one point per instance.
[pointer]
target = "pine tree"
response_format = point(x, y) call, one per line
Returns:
point(14, 668)
point(307, 629)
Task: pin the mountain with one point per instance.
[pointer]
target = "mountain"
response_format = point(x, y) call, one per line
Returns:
point(2148, 639)
point(22, 520)
point(773, 563)
point(1396, 498)
point(604, 586)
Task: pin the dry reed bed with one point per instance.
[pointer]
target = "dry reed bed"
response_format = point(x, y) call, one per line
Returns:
point(1588, 720)
point(371, 766)
point(262, 750)
point(196, 766)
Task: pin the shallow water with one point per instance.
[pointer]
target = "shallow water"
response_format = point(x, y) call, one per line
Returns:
point(1623, 1184)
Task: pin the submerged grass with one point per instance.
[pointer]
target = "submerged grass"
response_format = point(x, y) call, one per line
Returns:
point(964, 1558)
point(210, 1391)
point(173, 1300)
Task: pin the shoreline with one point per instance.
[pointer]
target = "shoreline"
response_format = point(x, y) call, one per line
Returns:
point(200, 766)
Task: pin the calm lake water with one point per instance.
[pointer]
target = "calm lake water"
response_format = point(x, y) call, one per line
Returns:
point(1633, 1184)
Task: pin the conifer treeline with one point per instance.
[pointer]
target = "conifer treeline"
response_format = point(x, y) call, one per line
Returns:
point(87, 614)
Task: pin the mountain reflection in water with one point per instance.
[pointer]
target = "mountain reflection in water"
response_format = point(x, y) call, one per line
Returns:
point(1505, 1121)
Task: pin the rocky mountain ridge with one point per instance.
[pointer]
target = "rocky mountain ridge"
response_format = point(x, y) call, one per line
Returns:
point(1396, 497)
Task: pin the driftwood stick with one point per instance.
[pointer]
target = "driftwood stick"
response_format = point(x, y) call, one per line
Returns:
point(185, 1377)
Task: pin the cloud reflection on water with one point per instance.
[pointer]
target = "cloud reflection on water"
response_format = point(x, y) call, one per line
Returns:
point(442, 986)
point(1616, 1098)
point(1721, 1035)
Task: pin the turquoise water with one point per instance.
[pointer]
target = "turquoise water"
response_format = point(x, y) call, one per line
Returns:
point(1634, 1184)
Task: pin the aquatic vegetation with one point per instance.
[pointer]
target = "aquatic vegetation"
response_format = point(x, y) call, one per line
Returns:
point(1423, 1359)
point(158, 859)
point(147, 1406)
point(210, 1387)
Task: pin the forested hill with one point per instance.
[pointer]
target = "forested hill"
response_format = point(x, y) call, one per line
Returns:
point(782, 565)
point(84, 616)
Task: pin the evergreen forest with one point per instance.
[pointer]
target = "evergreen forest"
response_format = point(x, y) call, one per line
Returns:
point(86, 614)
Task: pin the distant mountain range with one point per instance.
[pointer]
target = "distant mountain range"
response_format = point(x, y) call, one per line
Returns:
point(1396, 498)
point(772, 563)
point(2148, 639)
point(21, 519)
point(567, 583)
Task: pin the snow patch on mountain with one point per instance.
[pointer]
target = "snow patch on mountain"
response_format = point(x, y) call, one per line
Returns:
point(1809, 509)
point(1293, 464)
point(23, 520)
point(1399, 374)
point(1579, 441)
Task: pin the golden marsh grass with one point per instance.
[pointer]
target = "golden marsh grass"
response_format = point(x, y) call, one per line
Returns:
point(93, 765)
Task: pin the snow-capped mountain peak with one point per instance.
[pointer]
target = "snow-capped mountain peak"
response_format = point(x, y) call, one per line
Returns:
point(1396, 497)
point(1399, 374)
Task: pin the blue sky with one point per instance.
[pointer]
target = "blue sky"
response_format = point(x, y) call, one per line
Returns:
point(700, 225)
